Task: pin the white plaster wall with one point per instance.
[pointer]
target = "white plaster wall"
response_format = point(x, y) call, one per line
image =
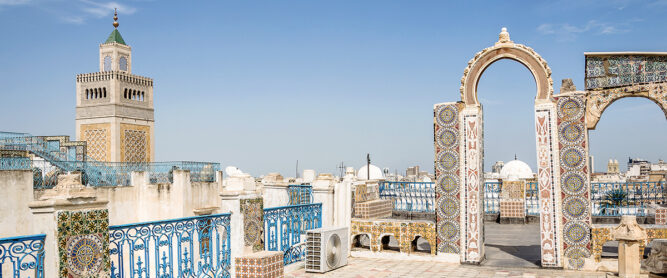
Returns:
point(16, 219)
point(326, 197)
point(139, 202)
point(342, 204)
point(275, 195)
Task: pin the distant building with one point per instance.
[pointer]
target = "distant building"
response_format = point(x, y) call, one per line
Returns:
point(612, 167)
point(497, 167)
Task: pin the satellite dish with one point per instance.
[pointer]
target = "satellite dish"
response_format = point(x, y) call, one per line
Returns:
point(333, 251)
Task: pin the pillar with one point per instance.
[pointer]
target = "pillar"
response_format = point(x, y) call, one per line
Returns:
point(629, 235)
point(76, 225)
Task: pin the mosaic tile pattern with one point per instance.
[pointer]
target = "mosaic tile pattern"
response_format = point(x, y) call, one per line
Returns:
point(575, 212)
point(623, 70)
point(135, 143)
point(600, 234)
point(380, 208)
point(364, 192)
point(135, 146)
point(544, 126)
point(447, 143)
point(405, 231)
point(83, 243)
point(472, 195)
point(513, 190)
point(265, 264)
point(97, 144)
point(512, 209)
point(253, 223)
point(98, 140)
point(661, 216)
point(79, 147)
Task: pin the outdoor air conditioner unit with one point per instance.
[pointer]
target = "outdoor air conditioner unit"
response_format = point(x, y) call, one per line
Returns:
point(326, 249)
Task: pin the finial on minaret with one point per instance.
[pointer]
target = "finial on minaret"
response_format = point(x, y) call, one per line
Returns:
point(115, 18)
point(514, 154)
point(504, 36)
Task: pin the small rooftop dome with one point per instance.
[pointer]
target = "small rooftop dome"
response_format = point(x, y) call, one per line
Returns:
point(516, 170)
point(375, 173)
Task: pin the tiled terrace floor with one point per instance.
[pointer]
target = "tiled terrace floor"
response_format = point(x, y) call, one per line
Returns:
point(377, 268)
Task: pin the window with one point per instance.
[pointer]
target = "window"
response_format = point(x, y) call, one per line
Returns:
point(87, 94)
point(123, 63)
point(104, 90)
point(107, 63)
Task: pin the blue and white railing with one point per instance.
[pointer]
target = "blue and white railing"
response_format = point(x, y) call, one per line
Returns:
point(492, 197)
point(532, 199)
point(96, 173)
point(409, 196)
point(633, 198)
point(186, 247)
point(283, 227)
point(22, 256)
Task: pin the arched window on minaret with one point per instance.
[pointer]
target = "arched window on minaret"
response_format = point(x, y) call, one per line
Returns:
point(86, 93)
point(105, 92)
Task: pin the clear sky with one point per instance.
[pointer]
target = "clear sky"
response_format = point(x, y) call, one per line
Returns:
point(261, 84)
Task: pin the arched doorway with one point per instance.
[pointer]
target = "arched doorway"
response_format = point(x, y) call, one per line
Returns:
point(460, 154)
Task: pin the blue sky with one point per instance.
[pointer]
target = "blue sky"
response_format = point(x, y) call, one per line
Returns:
point(261, 84)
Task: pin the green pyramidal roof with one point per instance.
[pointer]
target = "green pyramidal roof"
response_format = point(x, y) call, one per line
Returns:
point(115, 37)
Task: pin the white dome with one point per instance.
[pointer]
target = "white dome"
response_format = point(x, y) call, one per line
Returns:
point(375, 173)
point(516, 170)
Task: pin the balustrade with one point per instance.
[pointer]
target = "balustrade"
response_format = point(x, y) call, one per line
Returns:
point(23, 256)
point(409, 196)
point(283, 227)
point(187, 247)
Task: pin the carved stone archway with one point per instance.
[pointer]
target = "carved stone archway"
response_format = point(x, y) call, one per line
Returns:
point(598, 100)
point(506, 49)
point(460, 155)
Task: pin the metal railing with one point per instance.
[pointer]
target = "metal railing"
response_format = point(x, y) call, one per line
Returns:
point(95, 173)
point(283, 227)
point(23, 256)
point(186, 247)
point(300, 194)
point(491, 197)
point(532, 199)
point(614, 199)
point(15, 163)
point(608, 199)
point(409, 196)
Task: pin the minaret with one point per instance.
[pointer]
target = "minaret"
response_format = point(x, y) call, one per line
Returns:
point(114, 108)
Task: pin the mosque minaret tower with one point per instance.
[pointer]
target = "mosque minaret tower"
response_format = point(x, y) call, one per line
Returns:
point(114, 108)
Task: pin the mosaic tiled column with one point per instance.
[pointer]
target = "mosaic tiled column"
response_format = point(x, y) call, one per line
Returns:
point(575, 194)
point(253, 223)
point(447, 130)
point(473, 182)
point(545, 130)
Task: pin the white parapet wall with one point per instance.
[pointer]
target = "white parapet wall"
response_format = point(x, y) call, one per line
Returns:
point(15, 216)
point(139, 202)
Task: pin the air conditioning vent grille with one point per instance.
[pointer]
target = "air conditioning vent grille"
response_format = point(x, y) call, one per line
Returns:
point(326, 249)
